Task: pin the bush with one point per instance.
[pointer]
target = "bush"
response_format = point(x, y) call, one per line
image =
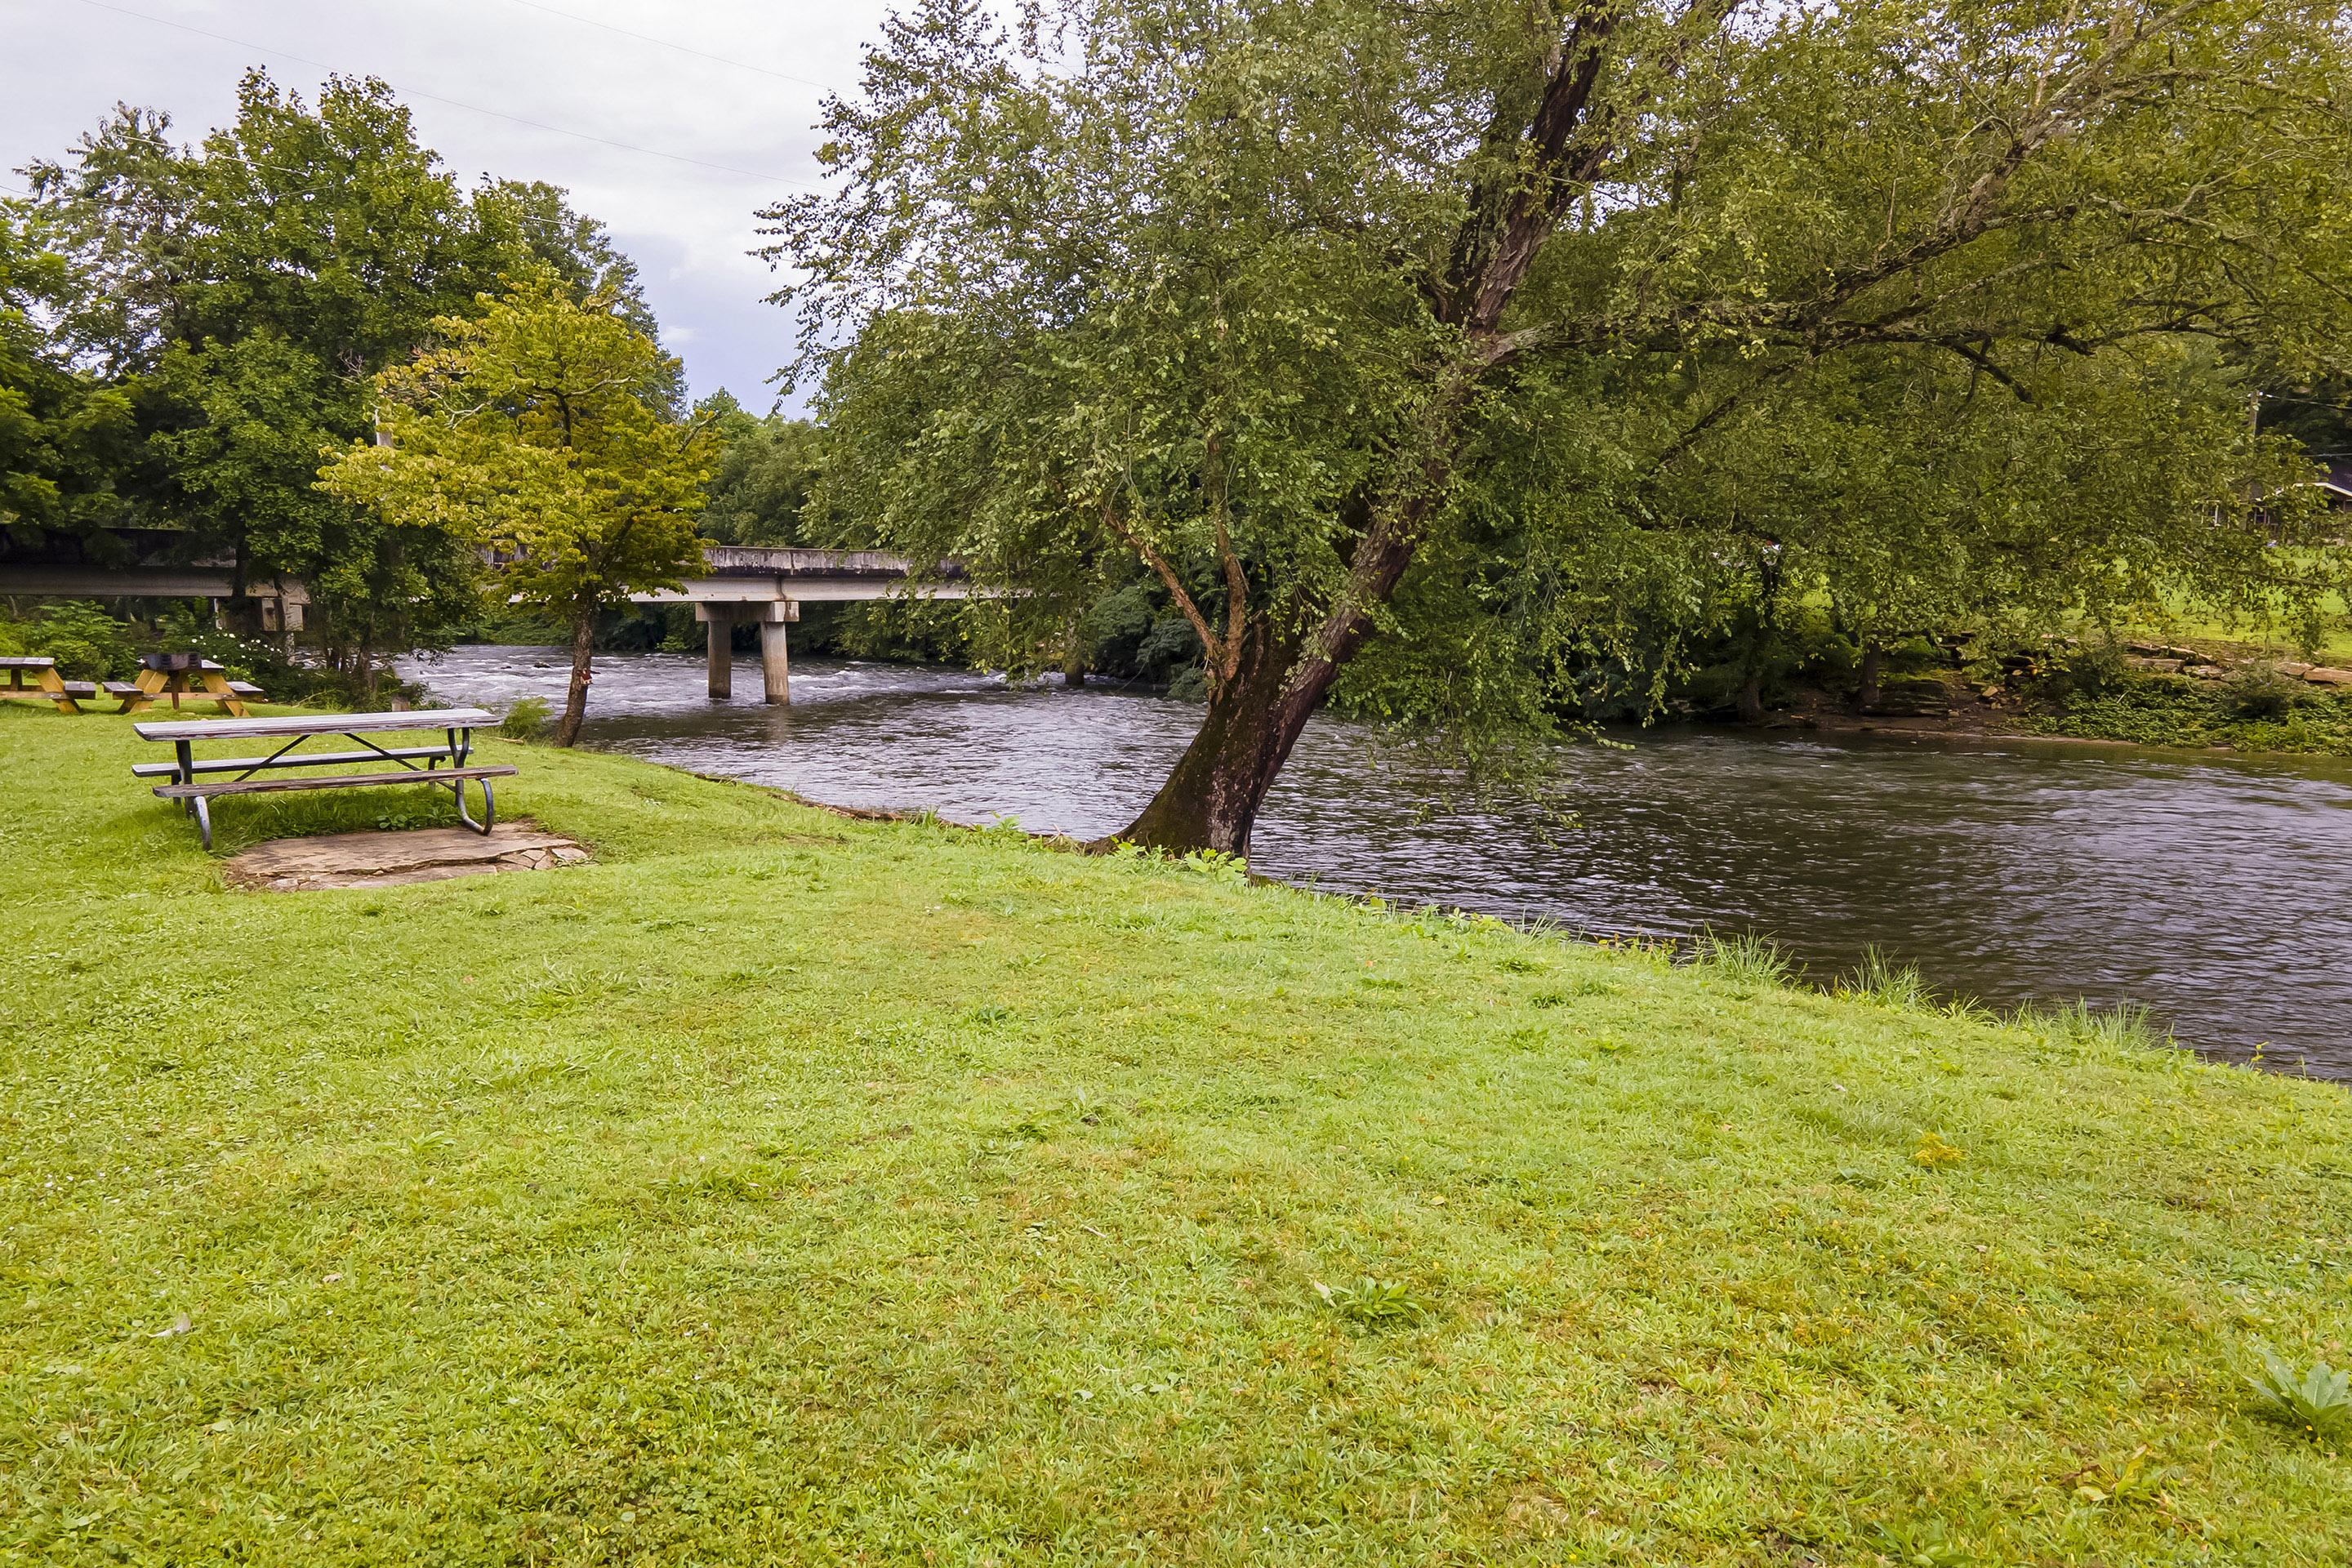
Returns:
point(526, 719)
point(87, 643)
point(2097, 670)
point(2261, 691)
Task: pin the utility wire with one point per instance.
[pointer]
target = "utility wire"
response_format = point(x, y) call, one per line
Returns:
point(681, 49)
point(2306, 402)
point(454, 103)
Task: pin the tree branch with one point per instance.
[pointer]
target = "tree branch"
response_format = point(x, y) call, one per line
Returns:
point(1220, 656)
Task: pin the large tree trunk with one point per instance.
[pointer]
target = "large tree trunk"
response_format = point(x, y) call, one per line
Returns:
point(575, 697)
point(1867, 697)
point(1751, 698)
point(1210, 798)
point(1255, 715)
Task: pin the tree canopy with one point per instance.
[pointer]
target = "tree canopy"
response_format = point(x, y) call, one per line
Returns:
point(764, 477)
point(1498, 337)
point(237, 296)
point(67, 443)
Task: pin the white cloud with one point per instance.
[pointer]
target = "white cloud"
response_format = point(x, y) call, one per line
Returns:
point(689, 227)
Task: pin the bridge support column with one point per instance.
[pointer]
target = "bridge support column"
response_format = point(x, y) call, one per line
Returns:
point(775, 655)
point(720, 619)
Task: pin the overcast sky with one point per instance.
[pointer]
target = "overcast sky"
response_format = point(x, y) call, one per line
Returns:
point(64, 63)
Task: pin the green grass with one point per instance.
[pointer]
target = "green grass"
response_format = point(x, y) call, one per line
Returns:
point(782, 1188)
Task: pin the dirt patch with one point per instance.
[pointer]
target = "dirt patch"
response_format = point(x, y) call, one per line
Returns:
point(385, 859)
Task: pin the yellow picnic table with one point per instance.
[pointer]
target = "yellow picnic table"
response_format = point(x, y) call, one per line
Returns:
point(47, 685)
point(181, 677)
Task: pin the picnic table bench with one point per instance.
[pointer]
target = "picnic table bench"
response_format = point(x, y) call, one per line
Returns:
point(47, 685)
point(412, 764)
point(182, 676)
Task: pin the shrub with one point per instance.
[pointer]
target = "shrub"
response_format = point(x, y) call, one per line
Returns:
point(2261, 691)
point(87, 643)
point(2097, 670)
point(526, 719)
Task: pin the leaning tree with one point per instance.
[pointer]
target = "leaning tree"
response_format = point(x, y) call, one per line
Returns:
point(1271, 295)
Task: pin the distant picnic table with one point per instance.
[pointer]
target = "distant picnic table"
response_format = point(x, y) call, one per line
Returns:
point(195, 790)
point(182, 676)
point(47, 685)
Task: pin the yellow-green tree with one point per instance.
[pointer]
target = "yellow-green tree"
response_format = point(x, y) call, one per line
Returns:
point(543, 433)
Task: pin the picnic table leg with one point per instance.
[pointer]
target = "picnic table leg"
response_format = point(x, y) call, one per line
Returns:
point(55, 685)
point(216, 682)
point(187, 762)
point(204, 823)
point(489, 806)
point(149, 681)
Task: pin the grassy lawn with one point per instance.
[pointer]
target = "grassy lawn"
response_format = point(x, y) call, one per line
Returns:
point(782, 1188)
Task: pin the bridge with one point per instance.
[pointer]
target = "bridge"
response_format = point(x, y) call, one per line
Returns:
point(751, 585)
point(766, 587)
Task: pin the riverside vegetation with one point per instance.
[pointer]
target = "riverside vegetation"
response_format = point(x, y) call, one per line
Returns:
point(788, 1187)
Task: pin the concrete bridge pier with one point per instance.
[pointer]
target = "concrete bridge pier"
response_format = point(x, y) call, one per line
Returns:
point(720, 621)
point(771, 617)
point(775, 657)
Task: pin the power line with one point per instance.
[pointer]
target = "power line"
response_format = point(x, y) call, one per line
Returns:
point(681, 49)
point(454, 103)
point(2306, 402)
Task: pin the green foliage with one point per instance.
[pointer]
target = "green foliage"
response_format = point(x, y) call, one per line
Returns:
point(238, 295)
point(67, 441)
point(2262, 690)
point(1746, 959)
point(524, 719)
point(2096, 670)
point(87, 643)
point(1498, 355)
point(1878, 979)
point(2113, 1030)
point(2315, 1401)
point(1373, 1303)
point(542, 433)
point(2174, 710)
point(760, 484)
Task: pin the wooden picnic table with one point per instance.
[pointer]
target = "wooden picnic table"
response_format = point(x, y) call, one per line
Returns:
point(178, 675)
point(48, 685)
point(411, 764)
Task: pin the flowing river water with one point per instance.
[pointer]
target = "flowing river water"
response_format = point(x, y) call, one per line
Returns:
point(2216, 891)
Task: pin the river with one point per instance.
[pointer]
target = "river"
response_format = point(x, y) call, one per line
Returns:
point(2215, 890)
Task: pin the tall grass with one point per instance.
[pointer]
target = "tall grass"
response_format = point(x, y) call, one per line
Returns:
point(2122, 1027)
point(1877, 979)
point(1746, 959)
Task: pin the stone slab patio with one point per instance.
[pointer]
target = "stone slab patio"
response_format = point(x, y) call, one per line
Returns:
point(388, 859)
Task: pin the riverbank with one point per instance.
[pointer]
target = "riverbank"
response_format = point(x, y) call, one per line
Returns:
point(784, 1186)
point(2197, 693)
